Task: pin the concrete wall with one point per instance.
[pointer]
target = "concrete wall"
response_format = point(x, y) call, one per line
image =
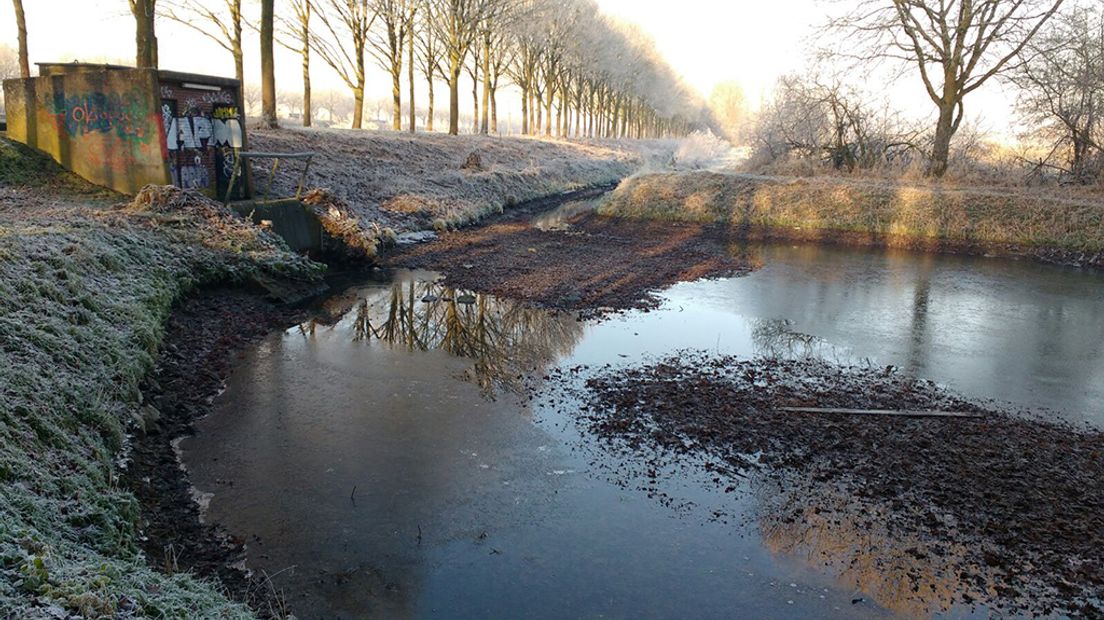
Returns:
point(105, 125)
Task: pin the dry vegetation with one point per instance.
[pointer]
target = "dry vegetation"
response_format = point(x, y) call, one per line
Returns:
point(415, 182)
point(85, 288)
point(927, 215)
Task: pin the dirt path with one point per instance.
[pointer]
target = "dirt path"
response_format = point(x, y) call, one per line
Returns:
point(592, 265)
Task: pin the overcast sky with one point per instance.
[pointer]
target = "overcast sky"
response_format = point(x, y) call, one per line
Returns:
point(708, 41)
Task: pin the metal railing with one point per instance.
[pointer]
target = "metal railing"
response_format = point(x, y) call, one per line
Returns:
point(244, 156)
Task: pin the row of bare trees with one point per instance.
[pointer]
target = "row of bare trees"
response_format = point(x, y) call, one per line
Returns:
point(579, 73)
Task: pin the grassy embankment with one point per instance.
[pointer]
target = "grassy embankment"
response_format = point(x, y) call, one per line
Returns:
point(409, 182)
point(85, 289)
point(929, 216)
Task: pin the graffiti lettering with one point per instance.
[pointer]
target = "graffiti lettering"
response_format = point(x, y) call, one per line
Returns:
point(226, 113)
point(194, 177)
point(124, 115)
point(200, 132)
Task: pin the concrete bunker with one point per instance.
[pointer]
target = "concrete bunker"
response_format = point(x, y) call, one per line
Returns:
point(125, 128)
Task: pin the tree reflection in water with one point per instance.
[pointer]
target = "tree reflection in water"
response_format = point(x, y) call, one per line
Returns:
point(776, 339)
point(505, 339)
point(826, 527)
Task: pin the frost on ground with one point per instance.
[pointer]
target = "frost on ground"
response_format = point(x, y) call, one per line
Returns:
point(703, 150)
point(85, 288)
point(406, 182)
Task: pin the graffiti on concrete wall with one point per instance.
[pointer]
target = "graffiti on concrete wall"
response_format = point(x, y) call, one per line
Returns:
point(195, 131)
point(195, 176)
point(202, 146)
point(123, 115)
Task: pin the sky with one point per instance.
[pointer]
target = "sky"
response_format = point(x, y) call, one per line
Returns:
point(751, 42)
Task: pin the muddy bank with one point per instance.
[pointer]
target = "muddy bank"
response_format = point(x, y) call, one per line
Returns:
point(593, 264)
point(1008, 222)
point(924, 513)
point(204, 336)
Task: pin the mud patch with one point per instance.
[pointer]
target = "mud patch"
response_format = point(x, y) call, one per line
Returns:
point(592, 265)
point(922, 513)
point(205, 334)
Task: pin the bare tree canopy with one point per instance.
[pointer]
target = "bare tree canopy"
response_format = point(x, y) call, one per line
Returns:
point(388, 40)
point(1061, 82)
point(342, 41)
point(956, 46)
point(293, 31)
point(222, 25)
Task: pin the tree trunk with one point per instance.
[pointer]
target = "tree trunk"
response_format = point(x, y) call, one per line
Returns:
point(484, 125)
point(548, 113)
point(358, 107)
point(268, 66)
point(21, 28)
point(396, 95)
point(239, 65)
point(144, 34)
point(307, 114)
point(941, 150)
point(494, 111)
point(410, 76)
point(524, 111)
point(475, 104)
point(431, 112)
point(454, 98)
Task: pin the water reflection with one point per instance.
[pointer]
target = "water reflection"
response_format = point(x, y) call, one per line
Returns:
point(776, 338)
point(819, 524)
point(506, 340)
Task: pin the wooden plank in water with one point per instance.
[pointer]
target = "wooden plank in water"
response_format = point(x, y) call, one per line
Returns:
point(885, 412)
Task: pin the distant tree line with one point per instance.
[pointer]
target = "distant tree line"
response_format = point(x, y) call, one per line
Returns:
point(579, 73)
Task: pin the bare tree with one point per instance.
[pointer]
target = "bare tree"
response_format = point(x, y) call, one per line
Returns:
point(292, 101)
point(9, 62)
point(822, 120)
point(956, 45)
point(268, 65)
point(387, 43)
point(223, 26)
point(457, 25)
point(730, 109)
point(412, 16)
point(251, 98)
point(430, 56)
point(342, 45)
point(21, 29)
point(145, 37)
point(338, 105)
point(1061, 86)
point(294, 34)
